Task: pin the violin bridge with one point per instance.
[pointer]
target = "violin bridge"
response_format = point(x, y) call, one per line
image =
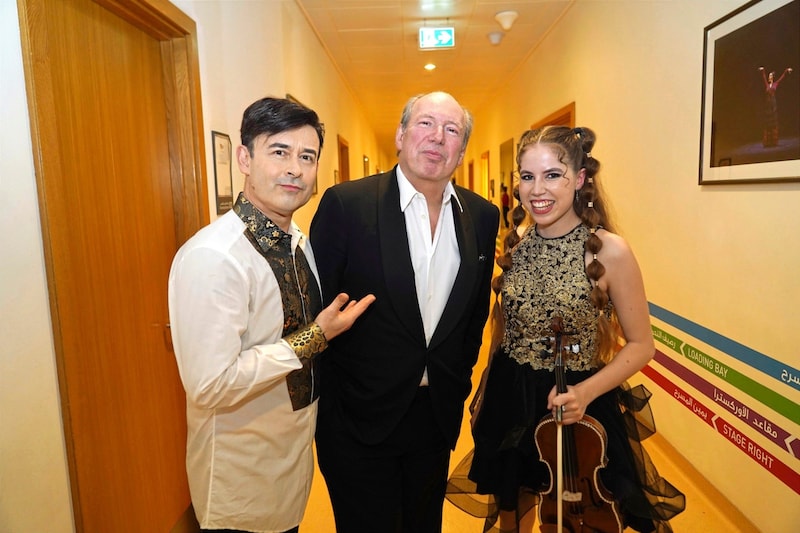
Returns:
point(572, 497)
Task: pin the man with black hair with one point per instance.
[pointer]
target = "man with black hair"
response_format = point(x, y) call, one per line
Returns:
point(247, 324)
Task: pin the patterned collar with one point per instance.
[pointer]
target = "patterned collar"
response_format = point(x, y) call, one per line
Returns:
point(266, 233)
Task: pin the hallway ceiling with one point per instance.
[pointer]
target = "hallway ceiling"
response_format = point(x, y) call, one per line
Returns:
point(375, 46)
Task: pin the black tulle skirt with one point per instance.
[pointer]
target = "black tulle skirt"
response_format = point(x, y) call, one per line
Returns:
point(504, 471)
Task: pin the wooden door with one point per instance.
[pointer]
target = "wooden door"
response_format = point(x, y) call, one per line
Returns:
point(488, 189)
point(117, 142)
point(344, 158)
point(561, 117)
point(507, 158)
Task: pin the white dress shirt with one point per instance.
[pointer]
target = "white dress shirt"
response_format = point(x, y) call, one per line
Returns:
point(436, 260)
point(249, 456)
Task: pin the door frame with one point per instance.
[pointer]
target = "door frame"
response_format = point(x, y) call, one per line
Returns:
point(177, 34)
point(561, 117)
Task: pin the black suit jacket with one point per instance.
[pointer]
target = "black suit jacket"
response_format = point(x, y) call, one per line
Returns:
point(371, 373)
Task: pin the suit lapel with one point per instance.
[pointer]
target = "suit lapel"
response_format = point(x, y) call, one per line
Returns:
point(396, 257)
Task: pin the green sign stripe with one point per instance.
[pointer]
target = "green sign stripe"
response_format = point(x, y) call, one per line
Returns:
point(779, 370)
point(765, 395)
point(752, 388)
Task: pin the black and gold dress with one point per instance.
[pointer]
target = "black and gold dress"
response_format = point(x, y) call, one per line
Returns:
point(547, 279)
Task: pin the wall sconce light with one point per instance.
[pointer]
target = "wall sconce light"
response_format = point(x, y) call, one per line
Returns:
point(495, 37)
point(506, 19)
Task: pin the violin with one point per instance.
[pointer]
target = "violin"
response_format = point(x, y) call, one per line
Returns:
point(574, 454)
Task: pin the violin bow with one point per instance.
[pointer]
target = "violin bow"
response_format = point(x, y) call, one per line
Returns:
point(560, 467)
point(558, 327)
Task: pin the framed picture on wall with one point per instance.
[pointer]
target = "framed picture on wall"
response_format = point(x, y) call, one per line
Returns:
point(750, 125)
point(223, 176)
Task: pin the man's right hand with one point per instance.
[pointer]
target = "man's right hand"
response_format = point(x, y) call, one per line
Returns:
point(341, 314)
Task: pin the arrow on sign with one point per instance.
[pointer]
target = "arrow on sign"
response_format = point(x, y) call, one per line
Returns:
point(444, 37)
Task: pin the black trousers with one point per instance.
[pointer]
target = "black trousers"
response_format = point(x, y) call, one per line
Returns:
point(395, 487)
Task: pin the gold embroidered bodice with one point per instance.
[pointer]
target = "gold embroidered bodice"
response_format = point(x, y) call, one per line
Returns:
point(548, 278)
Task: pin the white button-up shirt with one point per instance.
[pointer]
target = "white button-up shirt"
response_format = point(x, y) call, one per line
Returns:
point(436, 260)
point(249, 456)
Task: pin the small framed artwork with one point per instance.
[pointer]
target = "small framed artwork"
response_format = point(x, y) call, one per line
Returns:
point(223, 174)
point(750, 125)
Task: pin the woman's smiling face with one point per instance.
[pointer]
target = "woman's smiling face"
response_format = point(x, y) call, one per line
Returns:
point(547, 190)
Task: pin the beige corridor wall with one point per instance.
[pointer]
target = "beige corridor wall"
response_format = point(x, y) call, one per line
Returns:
point(34, 489)
point(724, 257)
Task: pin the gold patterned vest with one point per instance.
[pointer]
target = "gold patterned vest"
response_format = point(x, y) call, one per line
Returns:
point(548, 278)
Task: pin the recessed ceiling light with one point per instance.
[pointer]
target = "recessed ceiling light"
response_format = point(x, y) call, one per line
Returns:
point(430, 66)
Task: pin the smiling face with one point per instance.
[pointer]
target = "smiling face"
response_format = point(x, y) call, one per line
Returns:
point(432, 144)
point(547, 189)
point(280, 173)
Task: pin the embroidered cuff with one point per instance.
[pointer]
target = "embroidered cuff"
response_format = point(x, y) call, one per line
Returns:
point(307, 342)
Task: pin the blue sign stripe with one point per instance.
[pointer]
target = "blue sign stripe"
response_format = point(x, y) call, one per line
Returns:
point(757, 360)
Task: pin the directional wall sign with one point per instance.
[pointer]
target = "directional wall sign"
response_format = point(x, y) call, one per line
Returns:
point(437, 38)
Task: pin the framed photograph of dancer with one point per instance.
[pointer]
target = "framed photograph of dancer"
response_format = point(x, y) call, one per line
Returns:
point(750, 113)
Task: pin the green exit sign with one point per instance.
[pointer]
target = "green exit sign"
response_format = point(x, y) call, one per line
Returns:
point(437, 38)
